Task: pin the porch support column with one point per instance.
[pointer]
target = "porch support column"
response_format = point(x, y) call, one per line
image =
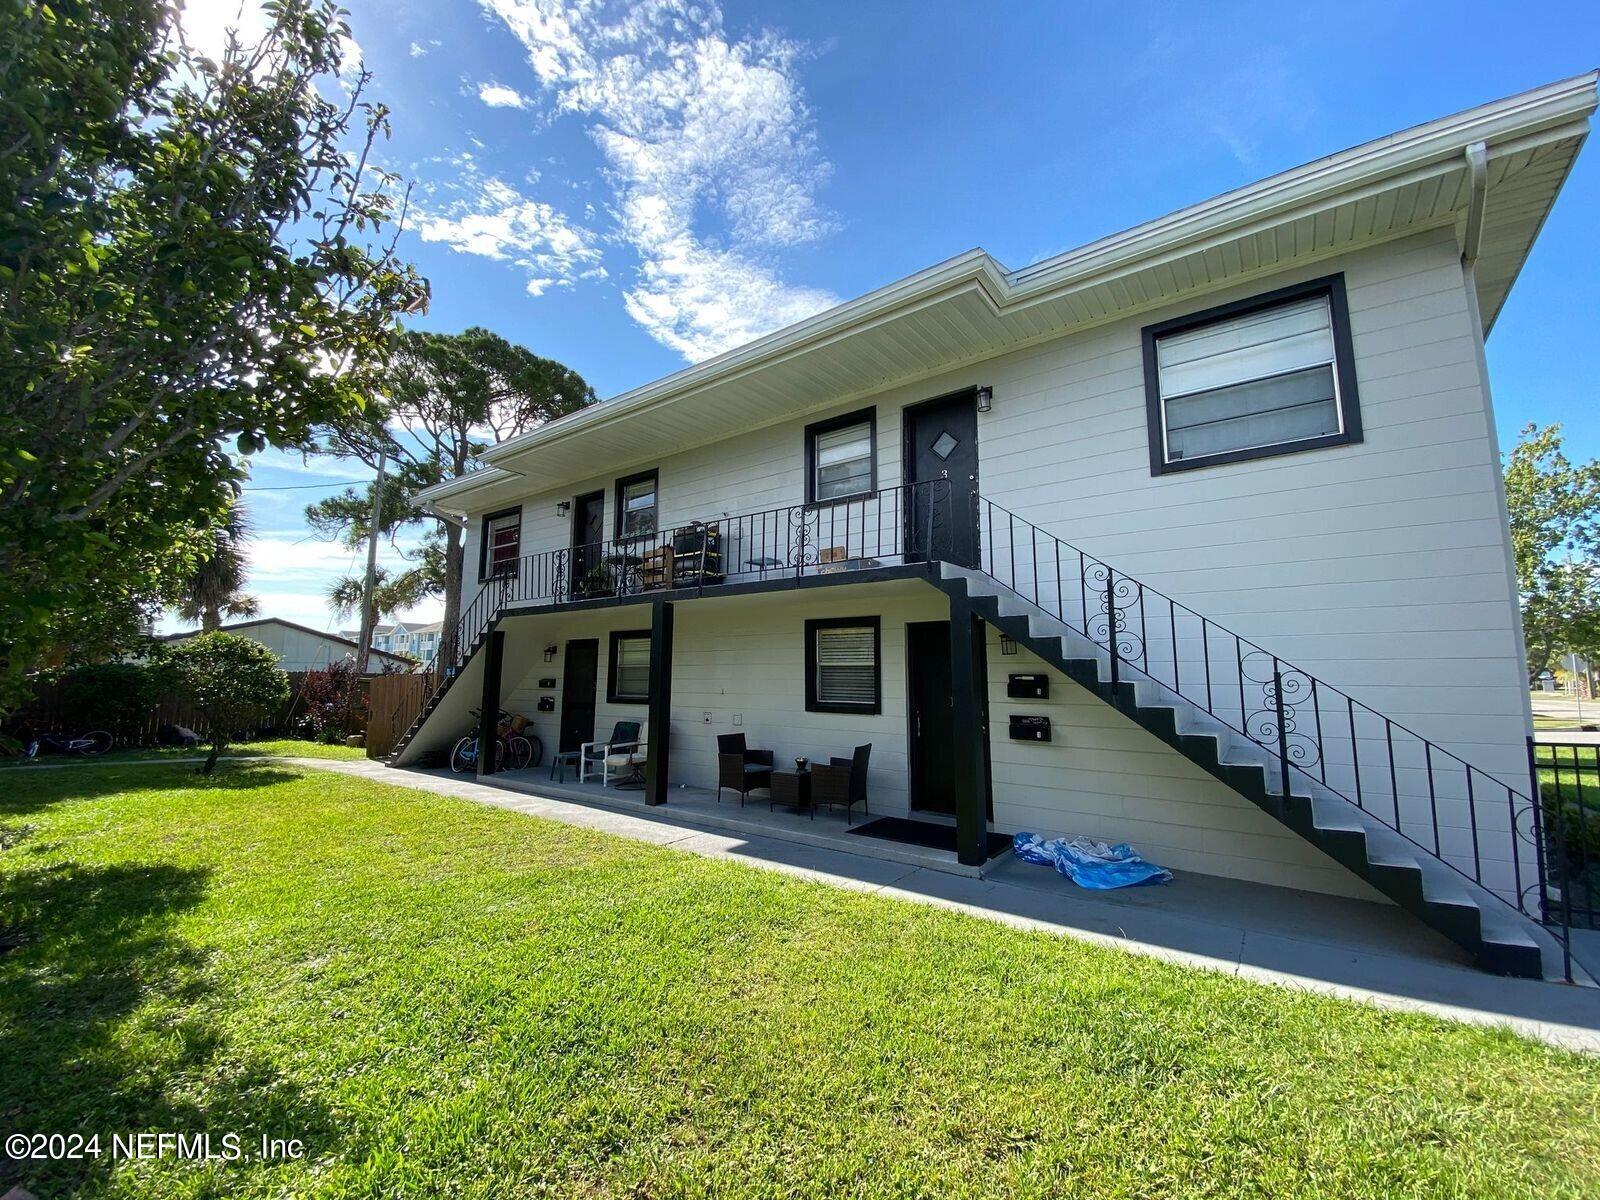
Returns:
point(494, 651)
point(656, 756)
point(969, 684)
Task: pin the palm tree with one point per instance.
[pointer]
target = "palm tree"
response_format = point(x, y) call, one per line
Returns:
point(390, 595)
point(216, 586)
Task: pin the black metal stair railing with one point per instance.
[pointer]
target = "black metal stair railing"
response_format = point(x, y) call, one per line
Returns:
point(1476, 824)
point(888, 527)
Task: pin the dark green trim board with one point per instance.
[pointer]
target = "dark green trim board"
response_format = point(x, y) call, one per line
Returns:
point(618, 516)
point(1344, 367)
point(968, 685)
point(657, 749)
point(483, 536)
point(494, 652)
point(869, 416)
point(613, 696)
point(813, 704)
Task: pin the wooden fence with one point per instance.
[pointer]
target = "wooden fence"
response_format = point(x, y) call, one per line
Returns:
point(393, 703)
point(49, 710)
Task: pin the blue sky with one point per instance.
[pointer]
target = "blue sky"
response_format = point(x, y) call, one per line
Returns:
point(630, 188)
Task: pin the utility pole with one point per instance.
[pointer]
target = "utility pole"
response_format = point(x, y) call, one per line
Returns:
point(364, 651)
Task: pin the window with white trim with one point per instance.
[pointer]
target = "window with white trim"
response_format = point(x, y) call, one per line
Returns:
point(629, 682)
point(843, 665)
point(1263, 377)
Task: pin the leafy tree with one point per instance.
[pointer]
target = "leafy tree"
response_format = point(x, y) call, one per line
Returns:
point(442, 394)
point(216, 584)
point(1554, 507)
point(232, 680)
point(390, 595)
point(196, 261)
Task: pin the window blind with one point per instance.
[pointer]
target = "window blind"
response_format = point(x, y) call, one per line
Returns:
point(1262, 379)
point(843, 461)
point(847, 671)
point(632, 668)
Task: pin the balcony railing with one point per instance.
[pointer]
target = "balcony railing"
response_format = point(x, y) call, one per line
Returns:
point(889, 527)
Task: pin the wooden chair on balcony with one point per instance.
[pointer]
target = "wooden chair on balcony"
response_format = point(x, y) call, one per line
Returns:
point(655, 569)
point(741, 768)
point(842, 781)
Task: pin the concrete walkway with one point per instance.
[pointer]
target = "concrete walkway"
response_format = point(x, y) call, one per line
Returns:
point(1350, 949)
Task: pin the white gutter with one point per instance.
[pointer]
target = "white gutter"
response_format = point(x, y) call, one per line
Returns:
point(1429, 148)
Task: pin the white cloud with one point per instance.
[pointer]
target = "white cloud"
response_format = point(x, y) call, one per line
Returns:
point(207, 24)
point(489, 217)
point(417, 49)
point(497, 95)
point(691, 122)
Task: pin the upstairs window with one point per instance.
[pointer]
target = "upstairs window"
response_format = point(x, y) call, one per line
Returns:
point(501, 544)
point(636, 506)
point(839, 457)
point(1267, 376)
point(843, 665)
point(629, 681)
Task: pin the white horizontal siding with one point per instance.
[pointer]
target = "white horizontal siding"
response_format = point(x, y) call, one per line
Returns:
point(1379, 567)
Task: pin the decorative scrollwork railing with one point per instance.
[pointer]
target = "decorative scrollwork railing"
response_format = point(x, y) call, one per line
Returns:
point(1475, 823)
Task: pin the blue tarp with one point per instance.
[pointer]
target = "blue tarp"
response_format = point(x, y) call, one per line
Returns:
point(1090, 864)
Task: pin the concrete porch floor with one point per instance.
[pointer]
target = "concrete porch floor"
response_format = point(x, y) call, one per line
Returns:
point(755, 818)
point(1348, 948)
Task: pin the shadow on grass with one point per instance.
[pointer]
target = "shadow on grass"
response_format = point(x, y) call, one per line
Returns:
point(31, 790)
point(111, 1023)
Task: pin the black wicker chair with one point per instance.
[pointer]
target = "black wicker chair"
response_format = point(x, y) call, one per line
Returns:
point(740, 768)
point(842, 781)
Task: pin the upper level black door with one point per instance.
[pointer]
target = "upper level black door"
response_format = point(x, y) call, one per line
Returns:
point(941, 443)
point(588, 534)
point(579, 674)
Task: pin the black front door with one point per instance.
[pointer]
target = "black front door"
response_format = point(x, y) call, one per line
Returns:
point(941, 443)
point(588, 533)
point(932, 733)
point(578, 676)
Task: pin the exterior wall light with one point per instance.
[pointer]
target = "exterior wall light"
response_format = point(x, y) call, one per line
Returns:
point(985, 398)
point(563, 507)
point(1008, 644)
point(550, 652)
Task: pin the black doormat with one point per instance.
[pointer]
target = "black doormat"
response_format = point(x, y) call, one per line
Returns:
point(924, 833)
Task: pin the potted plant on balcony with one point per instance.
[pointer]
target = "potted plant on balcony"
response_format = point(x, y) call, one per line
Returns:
point(599, 580)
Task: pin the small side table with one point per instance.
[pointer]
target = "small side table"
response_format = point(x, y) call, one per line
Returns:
point(793, 788)
point(563, 760)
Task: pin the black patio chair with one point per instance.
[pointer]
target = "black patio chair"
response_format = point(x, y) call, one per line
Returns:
point(842, 781)
point(740, 768)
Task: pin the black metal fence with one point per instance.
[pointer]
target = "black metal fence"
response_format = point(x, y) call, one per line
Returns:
point(1569, 793)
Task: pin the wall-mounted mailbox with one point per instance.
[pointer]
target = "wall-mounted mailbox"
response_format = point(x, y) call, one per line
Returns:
point(1029, 728)
point(548, 681)
point(547, 704)
point(1028, 687)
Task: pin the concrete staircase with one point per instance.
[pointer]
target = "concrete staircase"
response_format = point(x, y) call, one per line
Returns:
point(1497, 936)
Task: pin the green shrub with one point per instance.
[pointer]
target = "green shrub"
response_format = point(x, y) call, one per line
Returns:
point(116, 697)
point(232, 680)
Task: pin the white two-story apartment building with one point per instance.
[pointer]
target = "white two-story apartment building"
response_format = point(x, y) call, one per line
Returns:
point(1193, 538)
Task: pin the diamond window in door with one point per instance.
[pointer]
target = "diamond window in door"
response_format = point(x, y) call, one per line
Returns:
point(944, 445)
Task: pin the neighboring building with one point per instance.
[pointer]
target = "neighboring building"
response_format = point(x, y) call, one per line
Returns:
point(911, 518)
point(301, 648)
point(418, 641)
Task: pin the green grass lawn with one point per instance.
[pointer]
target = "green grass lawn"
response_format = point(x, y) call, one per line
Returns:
point(445, 999)
point(275, 747)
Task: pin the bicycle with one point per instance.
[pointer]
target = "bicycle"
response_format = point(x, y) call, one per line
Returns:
point(514, 749)
point(86, 745)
